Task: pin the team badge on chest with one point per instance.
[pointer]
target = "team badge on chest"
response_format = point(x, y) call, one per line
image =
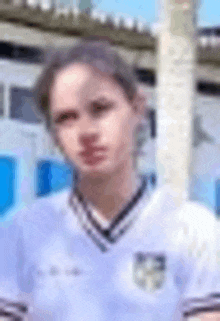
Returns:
point(149, 271)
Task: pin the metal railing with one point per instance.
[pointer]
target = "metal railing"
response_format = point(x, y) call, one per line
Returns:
point(58, 9)
point(70, 15)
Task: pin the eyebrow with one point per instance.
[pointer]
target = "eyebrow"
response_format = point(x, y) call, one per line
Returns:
point(69, 111)
point(102, 99)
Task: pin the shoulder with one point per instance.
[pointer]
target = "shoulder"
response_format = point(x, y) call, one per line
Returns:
point(49, 205)
point(189, 224)
point(163, 200)
point(189, 211)
point(197, 215)
point(196, 227)
point(41, 213)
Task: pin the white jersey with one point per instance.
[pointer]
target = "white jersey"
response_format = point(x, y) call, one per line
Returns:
point(153, 262)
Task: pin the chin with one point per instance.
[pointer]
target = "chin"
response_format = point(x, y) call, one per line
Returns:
point(96, 171)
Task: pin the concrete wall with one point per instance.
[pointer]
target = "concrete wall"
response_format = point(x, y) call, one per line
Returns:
point(142, 58)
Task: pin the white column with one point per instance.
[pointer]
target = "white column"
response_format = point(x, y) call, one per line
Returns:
point(176, 89)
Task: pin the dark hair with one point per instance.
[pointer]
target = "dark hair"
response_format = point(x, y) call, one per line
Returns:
point(97, 52)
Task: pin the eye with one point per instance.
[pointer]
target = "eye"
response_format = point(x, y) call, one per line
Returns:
point(66, 118)
point(98, 108)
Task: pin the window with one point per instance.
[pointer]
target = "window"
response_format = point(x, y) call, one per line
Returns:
point(146, 76)
point(209, 88)
point(7, 184)
point(27, 54)
point(205, 32)
point(6, 50)
point(22, 106)
point(217, 32)
point(152, 118)
point(21, 53)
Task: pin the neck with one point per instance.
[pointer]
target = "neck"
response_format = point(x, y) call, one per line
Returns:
point(108, 194)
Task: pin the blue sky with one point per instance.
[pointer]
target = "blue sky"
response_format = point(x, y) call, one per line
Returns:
point(209, 10)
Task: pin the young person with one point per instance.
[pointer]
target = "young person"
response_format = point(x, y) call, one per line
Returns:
point(107, 250)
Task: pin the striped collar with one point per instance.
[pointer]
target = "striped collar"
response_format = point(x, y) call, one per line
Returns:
point(104, 236)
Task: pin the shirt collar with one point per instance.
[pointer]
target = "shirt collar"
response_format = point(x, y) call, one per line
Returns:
point(108, 233)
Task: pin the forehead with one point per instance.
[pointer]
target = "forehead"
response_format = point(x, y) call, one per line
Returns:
point(81, 80)
point(78, 85)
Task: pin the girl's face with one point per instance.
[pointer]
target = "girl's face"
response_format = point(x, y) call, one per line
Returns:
point(93, 119)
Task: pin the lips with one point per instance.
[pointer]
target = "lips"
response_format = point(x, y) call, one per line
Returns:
point(93, 151)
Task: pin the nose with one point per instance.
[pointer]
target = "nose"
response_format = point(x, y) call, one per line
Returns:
point(88, 139)
point(88, 131)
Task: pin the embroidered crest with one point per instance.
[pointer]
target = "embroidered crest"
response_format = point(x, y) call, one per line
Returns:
point(149, 271)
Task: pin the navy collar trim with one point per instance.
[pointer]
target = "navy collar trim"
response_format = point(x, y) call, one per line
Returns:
point(105, 237)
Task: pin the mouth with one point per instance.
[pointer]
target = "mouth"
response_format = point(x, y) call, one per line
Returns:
point(93, 156)
point(93, 160)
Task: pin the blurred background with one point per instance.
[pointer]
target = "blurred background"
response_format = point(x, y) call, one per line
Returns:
point(31, 166)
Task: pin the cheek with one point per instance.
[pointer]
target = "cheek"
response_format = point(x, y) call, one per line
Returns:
point(65, 137)
point(119, 134)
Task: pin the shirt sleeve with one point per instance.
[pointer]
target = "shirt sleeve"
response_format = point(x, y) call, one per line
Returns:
point(199, 253)
point(12, 303)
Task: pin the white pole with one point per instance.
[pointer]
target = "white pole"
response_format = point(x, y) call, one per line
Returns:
point(176, 91)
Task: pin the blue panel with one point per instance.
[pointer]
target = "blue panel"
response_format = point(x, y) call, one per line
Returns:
point(202, 190)
point(61, 176)
point(7, 184)
point(52, 176)
point(43, 178)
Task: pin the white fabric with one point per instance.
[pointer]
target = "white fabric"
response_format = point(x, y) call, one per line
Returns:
point(51, 263)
